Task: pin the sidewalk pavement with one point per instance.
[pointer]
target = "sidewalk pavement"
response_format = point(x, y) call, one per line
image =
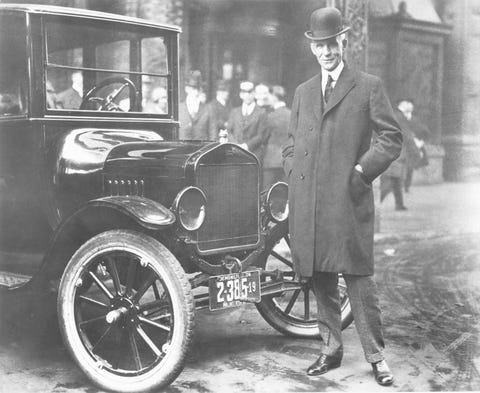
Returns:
point(433, 210)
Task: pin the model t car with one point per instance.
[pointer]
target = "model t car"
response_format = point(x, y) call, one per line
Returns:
point(101, 203)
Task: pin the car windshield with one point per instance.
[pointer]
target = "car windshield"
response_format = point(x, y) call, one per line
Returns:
point(106, 66)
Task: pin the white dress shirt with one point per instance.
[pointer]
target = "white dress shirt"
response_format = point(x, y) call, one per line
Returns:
point(248, 109)
point(335, 74)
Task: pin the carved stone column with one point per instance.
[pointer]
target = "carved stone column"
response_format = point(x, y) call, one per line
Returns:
point(355, 13)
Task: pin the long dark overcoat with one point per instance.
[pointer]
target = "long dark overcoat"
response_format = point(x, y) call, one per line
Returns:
point(331, 206)
point(249, 129)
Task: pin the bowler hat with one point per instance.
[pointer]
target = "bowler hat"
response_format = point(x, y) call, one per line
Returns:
point(325, 23)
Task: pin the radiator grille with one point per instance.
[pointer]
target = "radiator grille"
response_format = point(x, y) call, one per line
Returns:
point(232, 205)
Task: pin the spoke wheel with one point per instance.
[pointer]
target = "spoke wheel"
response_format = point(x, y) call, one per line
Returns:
point(126, 311)
point(293, 312)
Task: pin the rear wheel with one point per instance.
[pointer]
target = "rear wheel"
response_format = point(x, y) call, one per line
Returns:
point(293, 312)
point(126, 311)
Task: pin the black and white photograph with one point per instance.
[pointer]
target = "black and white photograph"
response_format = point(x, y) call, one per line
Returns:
point(239, 196)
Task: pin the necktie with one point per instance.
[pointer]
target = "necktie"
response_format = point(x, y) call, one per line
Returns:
point(328, 89)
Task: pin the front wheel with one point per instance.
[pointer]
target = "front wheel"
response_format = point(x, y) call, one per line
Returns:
point(126, 311)
point(293, 312)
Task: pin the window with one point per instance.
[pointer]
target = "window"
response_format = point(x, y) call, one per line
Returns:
point(104, 66)
point(13, 65)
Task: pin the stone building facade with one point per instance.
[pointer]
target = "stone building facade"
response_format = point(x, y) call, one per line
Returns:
point(425, 49)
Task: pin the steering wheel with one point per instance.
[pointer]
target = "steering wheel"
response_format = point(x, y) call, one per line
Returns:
point(108, 103)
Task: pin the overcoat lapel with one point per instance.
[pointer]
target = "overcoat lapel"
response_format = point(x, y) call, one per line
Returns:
point(345, 83)
point(316, 96)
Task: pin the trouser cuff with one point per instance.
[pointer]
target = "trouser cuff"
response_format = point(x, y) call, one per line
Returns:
point(375, 357)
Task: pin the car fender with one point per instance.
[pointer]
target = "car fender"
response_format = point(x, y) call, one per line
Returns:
point(94, 217)
point(146, 212)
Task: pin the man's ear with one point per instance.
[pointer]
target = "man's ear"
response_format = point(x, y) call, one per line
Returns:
point(344, 43)
point(312, 47)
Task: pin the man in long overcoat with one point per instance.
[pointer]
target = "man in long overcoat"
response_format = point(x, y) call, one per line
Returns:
point(276, 135)
point(246, 124)
point(330, 161)
point(215, 114)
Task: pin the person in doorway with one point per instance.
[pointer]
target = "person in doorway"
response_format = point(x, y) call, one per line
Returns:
point(189, 110)
point(276, 136)
point(246, 124)
point(215, 114)
point(331, 161)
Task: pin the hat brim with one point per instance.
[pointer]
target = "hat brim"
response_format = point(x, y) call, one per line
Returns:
point(310, 36)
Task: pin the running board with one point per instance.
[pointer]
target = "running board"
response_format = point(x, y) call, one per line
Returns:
point(12, 280)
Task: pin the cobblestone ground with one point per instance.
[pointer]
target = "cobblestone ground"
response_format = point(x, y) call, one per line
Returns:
point(430, 298)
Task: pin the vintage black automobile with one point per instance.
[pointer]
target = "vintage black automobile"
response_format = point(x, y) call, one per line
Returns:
point(102, 204)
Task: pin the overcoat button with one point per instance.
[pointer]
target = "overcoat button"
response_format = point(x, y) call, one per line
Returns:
point(311, 128)
point(302, 177)
point(306, 153)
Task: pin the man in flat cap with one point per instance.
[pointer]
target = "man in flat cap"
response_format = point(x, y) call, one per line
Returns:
point(331, 161)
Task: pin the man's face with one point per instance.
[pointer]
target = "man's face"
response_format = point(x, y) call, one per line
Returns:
point(223, 94)
point(247, 96)
point(329, 53)
point(262, 95)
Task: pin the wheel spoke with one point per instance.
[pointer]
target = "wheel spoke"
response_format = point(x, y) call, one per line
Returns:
point(306, 298)
point(93, 302)
point(112, 268)
point(118, 91)
point(134, 347)
point(292, 301)
point(155, 291)
point(154, 324)
point(283, 259)
point(156, 303)
point(102, 337)
point(88, 321)
point(121, 349)
point(148, 341)
point(131, 275)
point(101, 285)
point(143, 288)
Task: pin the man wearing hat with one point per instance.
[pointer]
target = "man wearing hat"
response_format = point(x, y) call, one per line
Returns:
point(215, 114)
point(247, 123)
point(189, 110)
point(331, 161)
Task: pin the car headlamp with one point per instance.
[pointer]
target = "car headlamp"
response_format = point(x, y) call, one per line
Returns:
point(277, 202)
point(190, 205)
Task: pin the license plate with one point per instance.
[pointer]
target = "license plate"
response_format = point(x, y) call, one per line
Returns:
point(231, 290)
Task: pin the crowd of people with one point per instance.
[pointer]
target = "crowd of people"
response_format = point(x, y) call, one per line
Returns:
point(259, 124)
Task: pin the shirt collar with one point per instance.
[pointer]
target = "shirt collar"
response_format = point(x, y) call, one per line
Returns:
point(335, 74)
point(221, 101)
point(279, 104)
point(248, 109)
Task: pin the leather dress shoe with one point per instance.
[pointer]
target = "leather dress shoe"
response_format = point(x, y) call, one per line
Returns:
point(382, 373)
point(323, 364)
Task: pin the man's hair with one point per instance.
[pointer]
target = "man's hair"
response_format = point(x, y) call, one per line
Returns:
point(278, 91)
